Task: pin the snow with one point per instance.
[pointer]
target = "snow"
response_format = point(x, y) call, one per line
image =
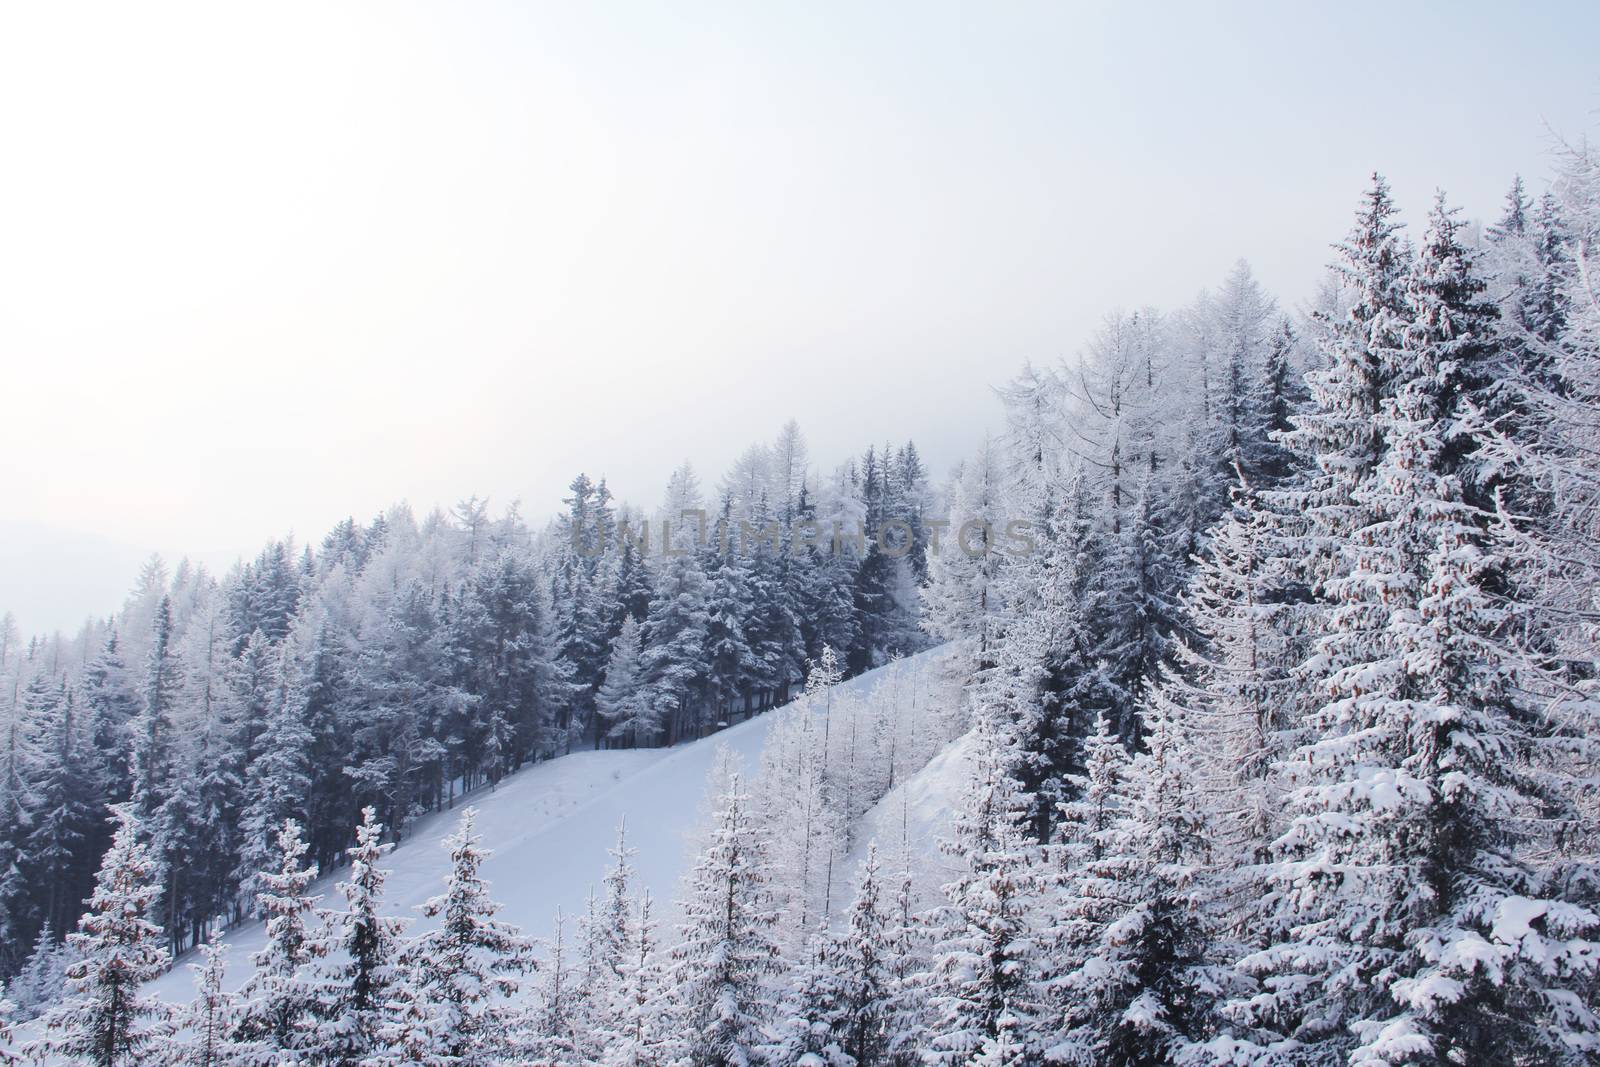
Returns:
point(1514, 918)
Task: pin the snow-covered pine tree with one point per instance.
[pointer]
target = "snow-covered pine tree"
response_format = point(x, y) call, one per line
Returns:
point(981, 984)
point(723, 964)
point(1418, 929)
point(1141, 990)
point(627, 717)
point(728, 607)
point(153, 737)
point(108, 1021)
point(450, 1009)
point(66, 818)
point(43, 978)
point(113, 702)
point(908, 968)
point(674, 638)
point(863, 961)
point(203, 1037)
point(803, 1027)
point(639, 1017)
point(360, 970)
point(607, 939)
point(276, 1001)
point(546, 1033)
point(277, 783)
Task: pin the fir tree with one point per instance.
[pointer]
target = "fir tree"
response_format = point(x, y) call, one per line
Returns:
point(1141, 989)
point(276, 1001)
point(674, 637)
point(638, 1019)
point(450, 1010)
point(725, 958)
point(107, 1021)
point(7, 1009)
point(208, 1022)
point(361, 954)
point(980, 988)
point(624, 711)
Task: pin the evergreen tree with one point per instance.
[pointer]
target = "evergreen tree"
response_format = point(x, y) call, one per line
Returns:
point(276, 1001)
point(725, 958)
point(728, 608)
point(65, 819)
point(7, 1057)
point(203, 1039)
point(113, 703)
point(450, 1009)
point(640, 1025)
point(803, 1032)
point(108, 1021)
point(1404, 893)
point(43, 978)
point(153, 730)
point(864, 959)
point(1339, 431)
point(980, 987)
point(621, 704)
point(361, 954)
point(674, 636)
point(1141, 988)
point(277, 784)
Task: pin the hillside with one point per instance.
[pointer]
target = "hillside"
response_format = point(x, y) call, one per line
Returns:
point(550, 826)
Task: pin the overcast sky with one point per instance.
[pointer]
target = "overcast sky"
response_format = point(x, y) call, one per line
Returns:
point(264, 267)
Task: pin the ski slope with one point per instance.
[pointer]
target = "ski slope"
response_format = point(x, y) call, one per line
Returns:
point(550, 826)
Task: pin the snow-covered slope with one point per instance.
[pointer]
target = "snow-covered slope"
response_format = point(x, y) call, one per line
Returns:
point(550, 826)
point(913, 817)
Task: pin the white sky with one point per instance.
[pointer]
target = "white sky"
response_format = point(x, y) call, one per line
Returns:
point(262, 267)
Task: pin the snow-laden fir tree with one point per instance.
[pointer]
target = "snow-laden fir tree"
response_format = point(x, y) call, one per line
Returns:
point(607, 935)
point(1418, 929)
point(725, 959)
point(205, 1027)
point(802, 1030)
point(108, 1021)
point(627, 716)
point(1075, 909)
point(639, 1015)
point(1142, 989)
point(864, 961)
point(359, 967)
point(981, 984)
point(43, 978)
point(276, 1001)
point(450, 1008)
point(546, 1033)
point(674, 640)
point(67, 814)
point(1359, 352)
